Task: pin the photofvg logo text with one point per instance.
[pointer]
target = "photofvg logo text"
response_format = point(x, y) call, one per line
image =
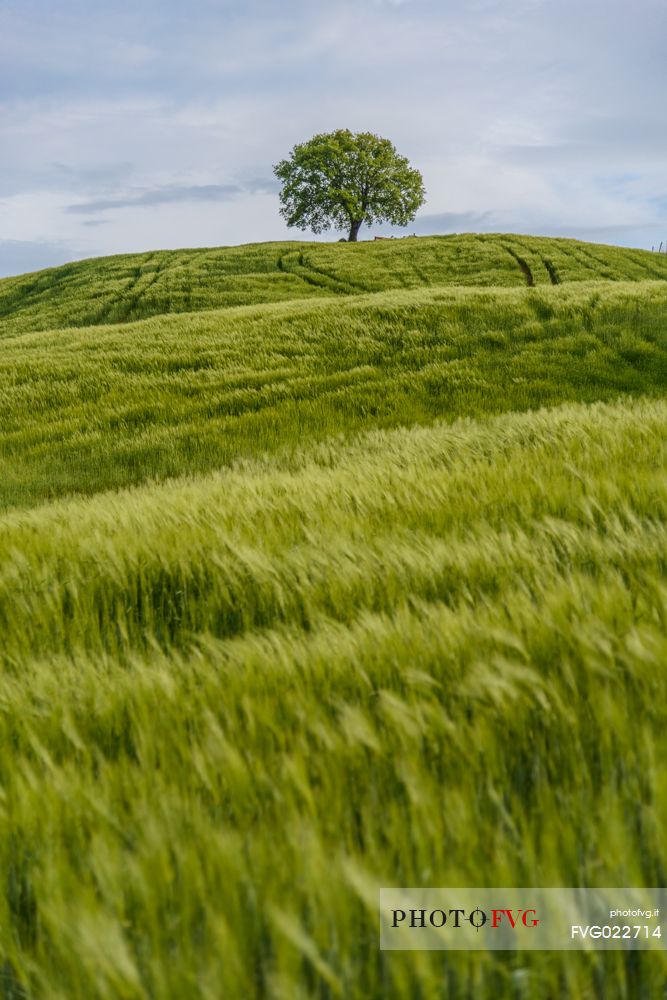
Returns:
point(458, 917)
point(532, 919)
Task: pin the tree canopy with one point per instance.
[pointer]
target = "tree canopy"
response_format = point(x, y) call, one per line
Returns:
point(345, 179)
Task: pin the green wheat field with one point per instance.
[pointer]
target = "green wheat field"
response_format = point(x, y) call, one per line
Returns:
point(327, 567)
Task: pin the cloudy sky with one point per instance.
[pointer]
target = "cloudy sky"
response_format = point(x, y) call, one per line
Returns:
point(139, 124)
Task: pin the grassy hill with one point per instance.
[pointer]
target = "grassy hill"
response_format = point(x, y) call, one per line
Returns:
point(136, 286)
point(325, 568)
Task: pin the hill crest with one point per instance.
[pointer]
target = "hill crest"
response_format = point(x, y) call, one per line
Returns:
point(125, 288)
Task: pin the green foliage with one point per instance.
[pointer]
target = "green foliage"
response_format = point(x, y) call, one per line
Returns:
point(344, 179)
point(360, 584)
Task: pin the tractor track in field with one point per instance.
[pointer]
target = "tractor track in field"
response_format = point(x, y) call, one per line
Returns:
point(347, 285)
point(131, 296)
point(549, 266)
point(600, 269)
point(293, 262)
point(645, 267)
point(554, 277)
point(523, 264)
point(136, 299)
point(101, 318)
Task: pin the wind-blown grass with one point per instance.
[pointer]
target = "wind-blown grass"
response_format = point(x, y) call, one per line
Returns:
point(131, 287)
point(303, 599)
point(93, 409)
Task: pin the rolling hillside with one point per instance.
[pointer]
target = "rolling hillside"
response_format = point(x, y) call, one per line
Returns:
point(324, 568)
point(136, 286)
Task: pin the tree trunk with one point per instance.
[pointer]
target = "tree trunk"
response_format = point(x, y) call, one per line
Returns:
point(354, 230)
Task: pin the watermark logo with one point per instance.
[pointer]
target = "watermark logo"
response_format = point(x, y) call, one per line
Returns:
point(477, 918)
point(533, 919)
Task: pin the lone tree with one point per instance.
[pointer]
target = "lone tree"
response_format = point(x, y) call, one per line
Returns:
point(344, 179)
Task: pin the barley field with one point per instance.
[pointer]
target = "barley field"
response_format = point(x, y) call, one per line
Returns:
point(325, 568)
